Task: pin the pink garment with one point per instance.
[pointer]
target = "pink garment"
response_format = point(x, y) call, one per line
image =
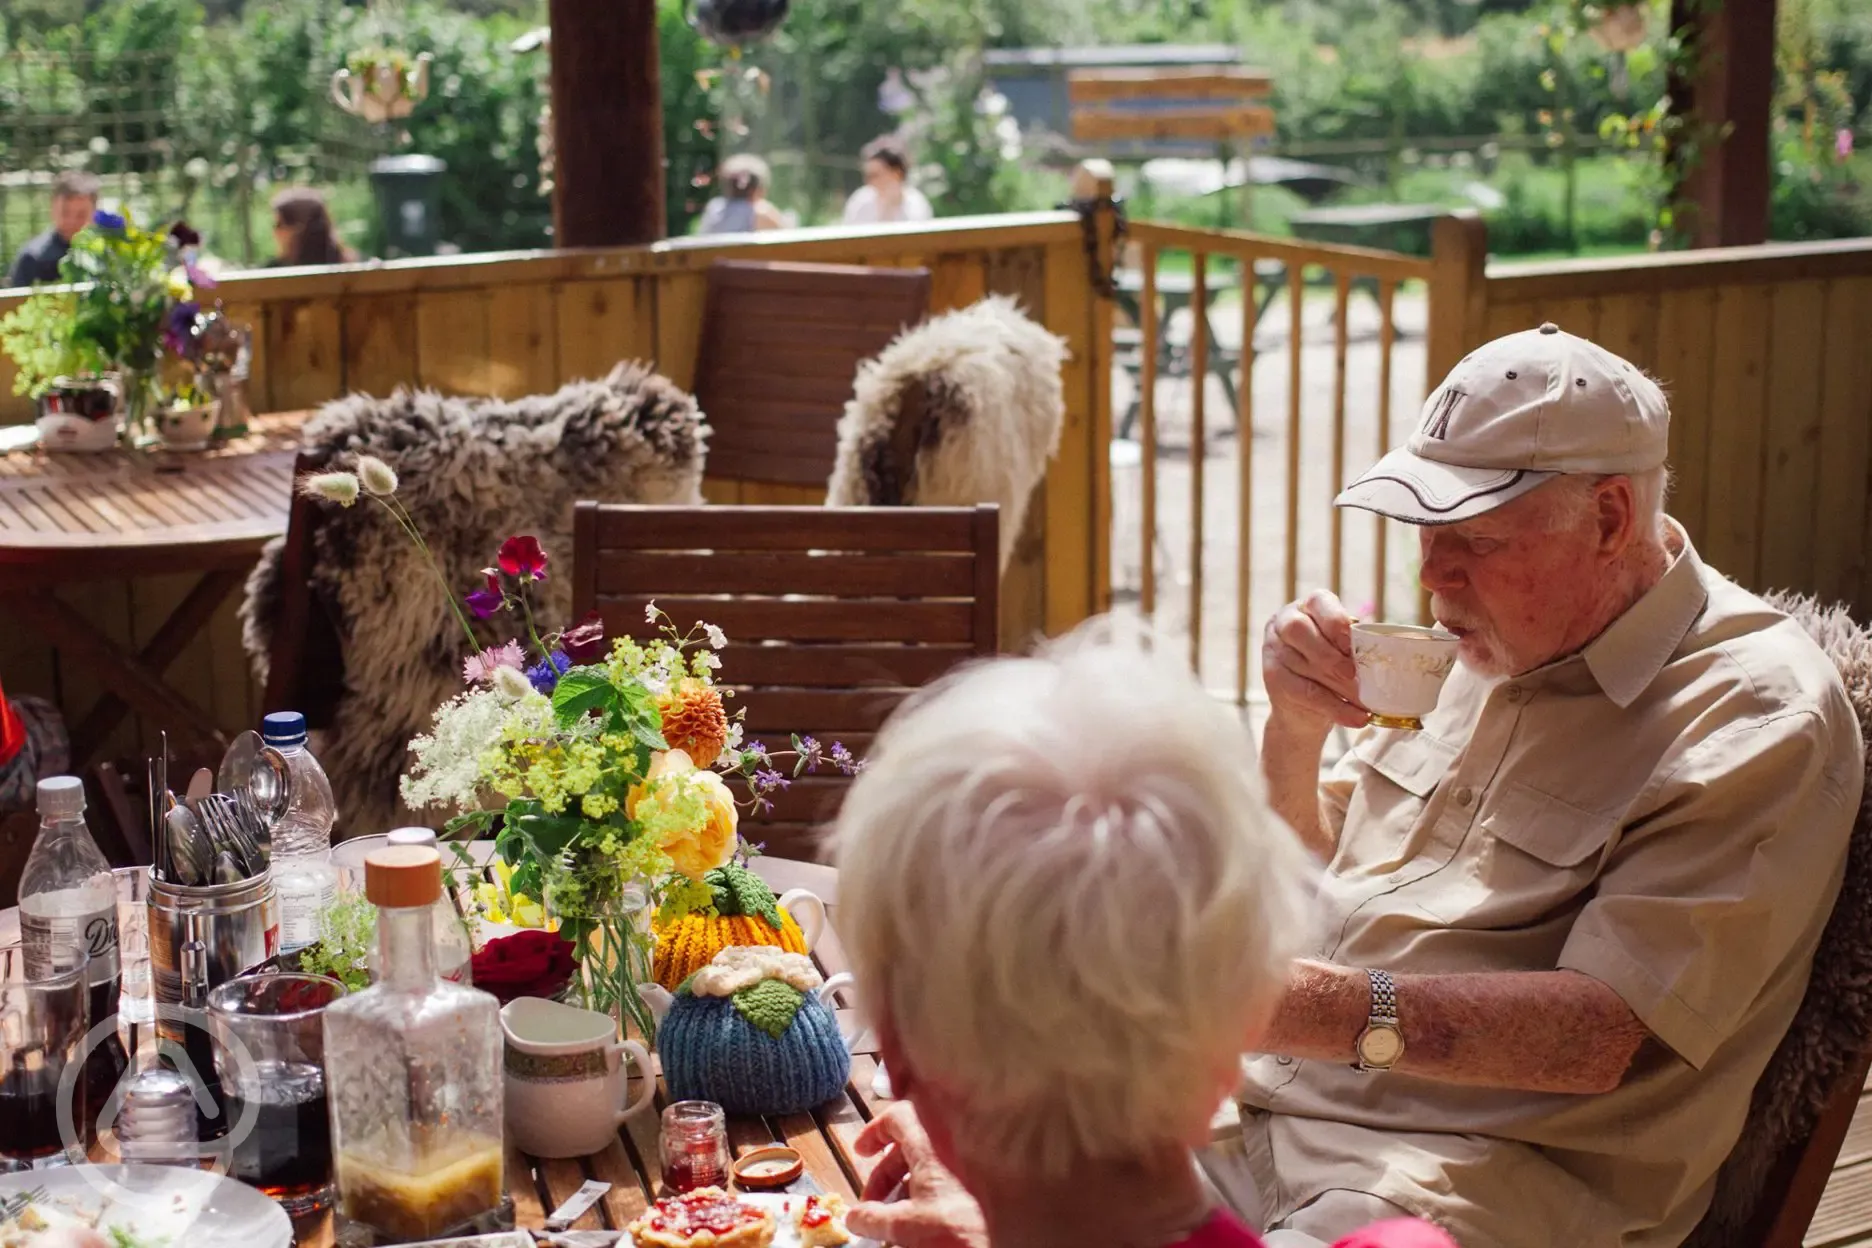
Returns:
point(1222, 1230)
point(1225, 1230)
point(1398, 1233)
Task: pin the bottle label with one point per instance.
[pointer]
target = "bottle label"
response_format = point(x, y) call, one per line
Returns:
point(301, 902)
point(48, 938)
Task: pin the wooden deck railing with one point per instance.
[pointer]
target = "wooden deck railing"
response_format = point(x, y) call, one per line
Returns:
point(1267, 555)
point(1766, 353)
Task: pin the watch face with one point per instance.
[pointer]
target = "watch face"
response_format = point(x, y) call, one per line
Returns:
point(1380, 1046)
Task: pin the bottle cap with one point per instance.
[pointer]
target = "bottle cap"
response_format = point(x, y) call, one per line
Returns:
point(283, 728)
point(412, 836)
point(61, 797)
point(402, 876)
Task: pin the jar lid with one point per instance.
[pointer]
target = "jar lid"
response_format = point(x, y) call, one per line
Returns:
point(774, 1166)
point(411, 836)
point(402, 876)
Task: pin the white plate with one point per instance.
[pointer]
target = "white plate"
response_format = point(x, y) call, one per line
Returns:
point(777, 1202)
point(160, 1204)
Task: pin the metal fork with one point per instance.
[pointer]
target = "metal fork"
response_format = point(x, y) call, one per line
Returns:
point(13, 1206)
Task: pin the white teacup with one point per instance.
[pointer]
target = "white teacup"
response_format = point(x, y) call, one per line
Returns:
point(567, 1087)
point(1401, 670)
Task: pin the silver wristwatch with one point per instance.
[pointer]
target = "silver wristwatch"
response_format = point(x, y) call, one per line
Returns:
point(1381, 1044)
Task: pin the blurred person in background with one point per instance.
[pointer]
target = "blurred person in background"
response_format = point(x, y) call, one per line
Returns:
point(303, 232)
point(887, 194)
point(74, 199)
point(743, 206)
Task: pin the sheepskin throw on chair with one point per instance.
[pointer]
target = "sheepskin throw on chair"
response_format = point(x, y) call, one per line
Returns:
point(472, 473)
point(964, 408)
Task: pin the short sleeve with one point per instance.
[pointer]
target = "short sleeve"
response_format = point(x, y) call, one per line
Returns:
point(1720, 887)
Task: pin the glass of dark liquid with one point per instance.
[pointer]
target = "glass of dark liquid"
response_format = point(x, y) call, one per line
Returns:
point(44, 1015)
point(269, 1053)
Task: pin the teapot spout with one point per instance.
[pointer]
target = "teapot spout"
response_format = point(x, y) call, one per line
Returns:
point(658, 998)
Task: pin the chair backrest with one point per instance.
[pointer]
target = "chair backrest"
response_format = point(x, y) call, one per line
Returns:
point(1803, 1104)
point(833, 614)
point(780, 346)
point(305, 664)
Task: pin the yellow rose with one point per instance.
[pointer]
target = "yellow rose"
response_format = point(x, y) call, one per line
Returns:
point(673, 779)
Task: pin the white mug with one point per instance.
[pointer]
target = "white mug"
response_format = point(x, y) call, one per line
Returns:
point(567, 1086)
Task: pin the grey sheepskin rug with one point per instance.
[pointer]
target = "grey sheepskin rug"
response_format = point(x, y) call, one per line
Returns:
point(990, 421)
point(1834, 1022)
point(472, 473)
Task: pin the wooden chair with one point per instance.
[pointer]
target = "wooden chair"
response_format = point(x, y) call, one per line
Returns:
point(833, 614)
point(1804, 1102)
point(781, 344)
point(305, 666)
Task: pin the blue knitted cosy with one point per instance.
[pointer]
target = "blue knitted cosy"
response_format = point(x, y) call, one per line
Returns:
point(711, 1052)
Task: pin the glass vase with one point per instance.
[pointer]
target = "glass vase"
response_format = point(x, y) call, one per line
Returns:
point(136, 401)
point(615, 945)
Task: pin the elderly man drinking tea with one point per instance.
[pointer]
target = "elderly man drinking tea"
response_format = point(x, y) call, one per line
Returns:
point(1070, 908)
point(1562, 928)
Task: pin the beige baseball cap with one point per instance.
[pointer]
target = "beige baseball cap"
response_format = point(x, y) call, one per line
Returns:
point(1515, 413)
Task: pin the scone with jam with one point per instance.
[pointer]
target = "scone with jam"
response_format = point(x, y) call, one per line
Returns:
point(705, 1218)
point(821, 1222)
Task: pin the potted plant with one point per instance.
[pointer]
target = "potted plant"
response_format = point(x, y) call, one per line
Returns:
point(77, 403)
point(381, 84)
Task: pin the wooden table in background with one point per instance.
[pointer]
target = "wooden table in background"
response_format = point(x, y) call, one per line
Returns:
point(123, 514)
point(630, 1163)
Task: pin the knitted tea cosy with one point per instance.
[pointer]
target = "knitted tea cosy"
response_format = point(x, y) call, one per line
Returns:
point(748, 1032)
point(745, 913)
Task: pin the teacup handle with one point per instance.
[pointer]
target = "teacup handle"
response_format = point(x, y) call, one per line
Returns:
point(792, 900)
point(844, 979)
point(637, 1053)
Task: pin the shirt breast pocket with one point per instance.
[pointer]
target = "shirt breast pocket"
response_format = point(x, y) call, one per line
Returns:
point(1384, 824)
point(1534, 857)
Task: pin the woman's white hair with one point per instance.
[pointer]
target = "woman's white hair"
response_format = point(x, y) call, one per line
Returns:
point(1065, 895)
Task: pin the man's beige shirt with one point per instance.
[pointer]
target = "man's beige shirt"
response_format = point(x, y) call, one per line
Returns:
point(1667, 812)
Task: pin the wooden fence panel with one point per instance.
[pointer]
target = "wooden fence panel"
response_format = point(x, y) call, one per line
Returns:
point(603, 322)
point(1686, 327)
point(1791, 435)
point(452, 341)
point(305, 354)
point(380, 347)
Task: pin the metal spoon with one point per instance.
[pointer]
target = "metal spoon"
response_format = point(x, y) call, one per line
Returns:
point(226, 870)
point(189, 847)
point(254, 775)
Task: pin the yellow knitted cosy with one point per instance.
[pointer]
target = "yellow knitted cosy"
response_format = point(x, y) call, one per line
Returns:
point(745, 913)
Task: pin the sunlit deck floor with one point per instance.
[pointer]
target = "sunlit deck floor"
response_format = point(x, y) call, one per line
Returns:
point(1844, 1218)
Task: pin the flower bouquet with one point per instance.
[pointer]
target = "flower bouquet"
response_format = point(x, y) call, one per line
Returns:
point(129, 293)
point(599, 765)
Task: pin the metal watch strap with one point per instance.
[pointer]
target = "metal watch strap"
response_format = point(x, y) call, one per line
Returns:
point(1383, 998)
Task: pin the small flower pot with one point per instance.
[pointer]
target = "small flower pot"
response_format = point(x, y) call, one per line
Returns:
point(381, 91)
point(78, 417)
point(187, 428)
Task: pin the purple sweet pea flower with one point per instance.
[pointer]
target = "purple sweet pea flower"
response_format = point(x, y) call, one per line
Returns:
point(198, 278)
point(489, 598)
point(107, 220)
point(179, 329)
point(585, 641)
point(545, 674)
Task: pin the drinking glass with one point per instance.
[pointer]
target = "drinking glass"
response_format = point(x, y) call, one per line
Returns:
point(135, 1002)
point(269, 1047)
point(347, 857)
point(43, 1020)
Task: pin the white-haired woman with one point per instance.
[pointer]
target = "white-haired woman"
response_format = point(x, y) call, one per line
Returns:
point(1070, 910)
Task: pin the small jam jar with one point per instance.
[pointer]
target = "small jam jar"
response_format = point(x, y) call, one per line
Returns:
point(694, 1144)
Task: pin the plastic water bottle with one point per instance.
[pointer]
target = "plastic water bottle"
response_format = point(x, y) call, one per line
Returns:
point(68, 904)
point(303, 875)
point(454, 952)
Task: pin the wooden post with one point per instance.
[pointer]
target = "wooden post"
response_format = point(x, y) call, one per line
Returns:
point(607, 117)
point(1458, 292)
point(1721, 160)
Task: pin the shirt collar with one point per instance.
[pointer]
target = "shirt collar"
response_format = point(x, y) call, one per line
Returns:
point(1629, 654)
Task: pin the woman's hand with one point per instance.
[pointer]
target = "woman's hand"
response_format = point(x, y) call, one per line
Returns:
point(936, 1210)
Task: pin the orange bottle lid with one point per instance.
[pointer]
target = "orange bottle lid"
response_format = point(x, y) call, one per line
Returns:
point(402, 876)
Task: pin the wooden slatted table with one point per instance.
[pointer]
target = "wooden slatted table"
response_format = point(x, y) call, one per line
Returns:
point(121, 514)
point(630, 1164)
